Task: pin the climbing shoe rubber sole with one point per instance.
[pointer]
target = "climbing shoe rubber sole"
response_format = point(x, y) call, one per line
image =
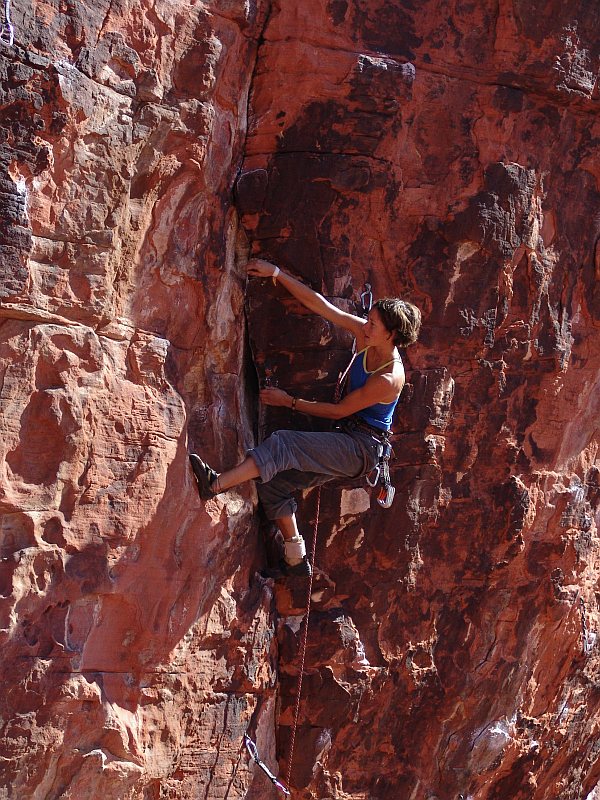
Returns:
point(285, 570)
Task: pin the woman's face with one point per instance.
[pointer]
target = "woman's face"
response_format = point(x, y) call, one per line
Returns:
point(375, 331)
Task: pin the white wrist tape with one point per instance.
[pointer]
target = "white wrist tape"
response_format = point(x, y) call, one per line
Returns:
point(275, 274)
point(295, 548)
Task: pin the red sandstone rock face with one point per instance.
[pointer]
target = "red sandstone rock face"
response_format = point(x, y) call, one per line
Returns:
point(445, 152)
point(121, 344)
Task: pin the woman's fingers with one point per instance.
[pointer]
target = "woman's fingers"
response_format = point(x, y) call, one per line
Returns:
point(268, 396)
point(260, 268)
point(273, 397)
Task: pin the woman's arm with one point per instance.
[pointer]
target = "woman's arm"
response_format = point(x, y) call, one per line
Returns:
point(378, 389)
point(310, 299)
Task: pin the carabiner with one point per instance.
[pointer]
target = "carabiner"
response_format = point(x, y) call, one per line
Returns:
point(385, 498)
point(373, 482)
point(366, 299)
point(7, 32)
point(253, 750)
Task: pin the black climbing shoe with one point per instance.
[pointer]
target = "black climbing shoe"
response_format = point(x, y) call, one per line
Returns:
point(285, 570)
point(204, 475)
point(301, 570)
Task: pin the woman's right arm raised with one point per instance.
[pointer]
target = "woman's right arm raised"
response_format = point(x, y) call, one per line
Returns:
point(310, 299)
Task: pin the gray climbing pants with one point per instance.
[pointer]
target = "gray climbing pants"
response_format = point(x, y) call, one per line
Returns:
point(292, 460)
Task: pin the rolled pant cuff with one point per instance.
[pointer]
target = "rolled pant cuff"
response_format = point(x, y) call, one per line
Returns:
point(285, 509)
point(265, 465)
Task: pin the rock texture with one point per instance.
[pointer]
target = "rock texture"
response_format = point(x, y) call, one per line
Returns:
point(447, 152)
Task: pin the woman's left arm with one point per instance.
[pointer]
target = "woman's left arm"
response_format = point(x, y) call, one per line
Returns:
point(378, 389)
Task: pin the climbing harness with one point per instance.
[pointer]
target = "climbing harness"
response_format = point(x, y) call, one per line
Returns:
point(7, 32)
point(253, 750)
point(380, 474)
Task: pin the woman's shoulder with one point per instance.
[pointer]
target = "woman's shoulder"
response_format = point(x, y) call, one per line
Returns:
point(394, 373)
point(391, 366)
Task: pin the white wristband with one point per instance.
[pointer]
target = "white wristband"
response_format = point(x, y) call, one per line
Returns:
point(275, 274)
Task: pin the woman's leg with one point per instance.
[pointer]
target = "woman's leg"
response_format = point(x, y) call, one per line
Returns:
point(279, 505)
point(286, 461)
point(245, 471)
point(332, 454)
point(288, 527)
point(294, 546)
point(210, 483)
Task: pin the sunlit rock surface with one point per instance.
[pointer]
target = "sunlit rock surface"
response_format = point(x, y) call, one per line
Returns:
point(448, 153)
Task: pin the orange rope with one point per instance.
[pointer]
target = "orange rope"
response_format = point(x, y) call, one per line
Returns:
point(304, 640)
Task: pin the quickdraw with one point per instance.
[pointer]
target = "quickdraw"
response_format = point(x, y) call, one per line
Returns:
point(253, 750)
point(7, 32)
point(381, 474)
point(366, 299)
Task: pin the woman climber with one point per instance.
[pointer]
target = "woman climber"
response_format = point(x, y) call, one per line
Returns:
point(291, 460)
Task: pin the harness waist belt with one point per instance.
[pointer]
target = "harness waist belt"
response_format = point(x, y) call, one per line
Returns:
point(356, 424)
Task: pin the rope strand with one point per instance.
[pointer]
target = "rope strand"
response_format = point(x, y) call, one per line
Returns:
point(337, 396)
point(304, 640)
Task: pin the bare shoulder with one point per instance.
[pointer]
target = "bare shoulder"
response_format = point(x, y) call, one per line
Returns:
point(398, 375)
point(393, 375)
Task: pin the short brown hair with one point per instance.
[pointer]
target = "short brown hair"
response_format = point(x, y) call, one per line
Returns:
point(400, 318)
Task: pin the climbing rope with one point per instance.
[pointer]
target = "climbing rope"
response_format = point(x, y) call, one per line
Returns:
point(250, 745)
point(304, 640)
point(385, 498)
point(366, 300)
point(7, 32)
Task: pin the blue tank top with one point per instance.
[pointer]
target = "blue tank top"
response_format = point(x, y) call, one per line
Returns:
point(378, 415)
